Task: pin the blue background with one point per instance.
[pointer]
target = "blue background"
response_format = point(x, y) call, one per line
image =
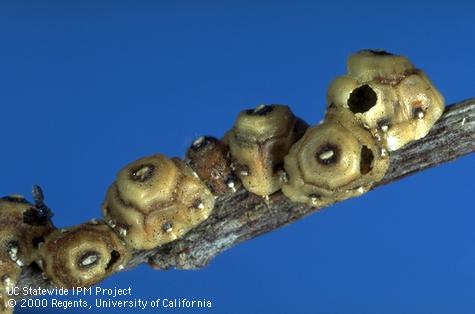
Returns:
point(86, 87)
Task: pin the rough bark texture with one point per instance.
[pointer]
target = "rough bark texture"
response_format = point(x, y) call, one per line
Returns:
point(241, 216)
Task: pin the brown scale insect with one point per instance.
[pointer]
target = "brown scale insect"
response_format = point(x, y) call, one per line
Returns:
point(209, 158)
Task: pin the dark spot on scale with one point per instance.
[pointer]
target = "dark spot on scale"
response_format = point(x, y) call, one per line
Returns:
point(88, 259)
point(327, 154)
point(197, 203)
point(384, 124)
point(167, 226)
point(231, 181)
point(418, 113)
point(242, 169)
point(142, 173)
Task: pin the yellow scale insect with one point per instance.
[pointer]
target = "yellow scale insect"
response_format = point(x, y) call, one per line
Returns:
point(258, 143)
point(24, 228)
point(156, 200)
point(380, 105)
point(394, 100)
point(82, 255)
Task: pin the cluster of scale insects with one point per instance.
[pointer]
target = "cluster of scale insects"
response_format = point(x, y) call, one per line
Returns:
point(381, 104)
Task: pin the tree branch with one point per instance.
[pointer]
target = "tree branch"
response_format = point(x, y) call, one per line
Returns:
point(241, 216)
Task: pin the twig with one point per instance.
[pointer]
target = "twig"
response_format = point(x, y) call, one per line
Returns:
point(241, 216)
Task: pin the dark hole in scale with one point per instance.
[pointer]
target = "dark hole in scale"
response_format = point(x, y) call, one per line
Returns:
point(366, 162)
point(362, 99)
point(115, 256)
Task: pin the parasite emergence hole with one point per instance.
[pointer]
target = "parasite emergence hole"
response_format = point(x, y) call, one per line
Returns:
point(366, 162)
point(260, 110)
point(327, 154)
point(115, 256)
point(362, 99)
point(88, 259)
point(142, 173)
